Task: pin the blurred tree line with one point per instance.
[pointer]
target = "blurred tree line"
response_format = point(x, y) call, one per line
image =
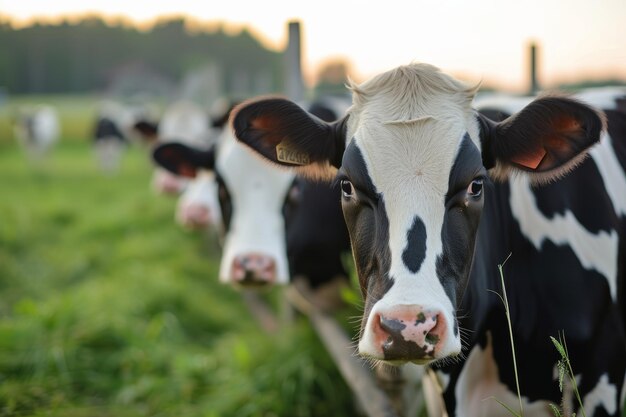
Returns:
point(91, 54)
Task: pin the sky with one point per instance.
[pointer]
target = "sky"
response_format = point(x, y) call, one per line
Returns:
point(475, 40)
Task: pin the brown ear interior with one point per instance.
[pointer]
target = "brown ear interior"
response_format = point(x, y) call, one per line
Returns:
point(175, 158)
point(566, 140)
point(281, 131)
point(548, 134)
point(531, 160)
point(186, 170)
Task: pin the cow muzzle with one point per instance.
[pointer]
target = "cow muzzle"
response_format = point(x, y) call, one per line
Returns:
point(194, 216)
point(406, 333)
point(253, 269)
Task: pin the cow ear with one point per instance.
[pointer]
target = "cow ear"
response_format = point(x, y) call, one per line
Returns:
point(545, 140)
point(148, 130)
point(285, 134)
point(183, 160)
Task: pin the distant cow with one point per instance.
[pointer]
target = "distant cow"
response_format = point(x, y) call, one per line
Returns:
point(198, 206)
point(114, 129)
point(37, 129)
point(183, 121)
point(267, 217)
point(428, 228)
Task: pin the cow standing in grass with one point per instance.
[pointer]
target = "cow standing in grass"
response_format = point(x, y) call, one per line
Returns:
point(114, 128)
point(37, 129)
point(427, 201)
point(182, 121)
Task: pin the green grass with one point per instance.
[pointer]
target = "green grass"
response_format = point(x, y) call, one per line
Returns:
point(107, 308)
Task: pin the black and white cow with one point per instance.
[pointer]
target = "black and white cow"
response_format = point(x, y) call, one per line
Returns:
point(114, 129)
point(182, 121)
point(110, 134)
point(428, 228)
point(274, 227)
point(37, 129)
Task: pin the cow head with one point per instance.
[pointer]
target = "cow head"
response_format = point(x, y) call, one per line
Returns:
point(184, 122)
point(251, 195)
point(412, 158)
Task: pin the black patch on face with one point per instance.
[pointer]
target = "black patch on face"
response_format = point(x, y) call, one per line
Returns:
point(415, 251)
point(460, 222)
point(354, 168)
point(225, 200)
point(366, 218)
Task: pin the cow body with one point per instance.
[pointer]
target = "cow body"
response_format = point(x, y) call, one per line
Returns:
point(429, 228)
point(562, 278)
point(37, 130)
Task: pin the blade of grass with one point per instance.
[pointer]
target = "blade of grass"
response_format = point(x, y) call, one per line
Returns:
point(508, 318)
point(571, 373)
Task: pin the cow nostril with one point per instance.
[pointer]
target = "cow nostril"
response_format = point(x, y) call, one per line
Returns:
point(405, 334)
point(254, 269)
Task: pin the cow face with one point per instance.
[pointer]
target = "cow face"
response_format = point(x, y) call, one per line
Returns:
point(184, 122)
point(251, 195)
point(412, 157)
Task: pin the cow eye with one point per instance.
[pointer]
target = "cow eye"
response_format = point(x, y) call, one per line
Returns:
point(347, 189)
point(475, 189)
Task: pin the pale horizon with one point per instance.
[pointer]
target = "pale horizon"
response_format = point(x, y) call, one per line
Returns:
point(485, 40)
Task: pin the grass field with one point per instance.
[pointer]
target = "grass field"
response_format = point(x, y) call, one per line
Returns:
point(107, 308)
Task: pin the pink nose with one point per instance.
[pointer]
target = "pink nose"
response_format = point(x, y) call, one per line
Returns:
point(409, 333)
point(253, 269)
point(167, 183)
point(195, 216)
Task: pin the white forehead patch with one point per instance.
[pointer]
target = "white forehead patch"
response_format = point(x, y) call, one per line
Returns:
point(409, 123)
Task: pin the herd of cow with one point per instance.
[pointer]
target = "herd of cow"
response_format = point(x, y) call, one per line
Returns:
point(431, 186)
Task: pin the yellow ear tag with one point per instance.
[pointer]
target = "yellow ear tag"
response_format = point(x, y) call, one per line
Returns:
point(284, 153)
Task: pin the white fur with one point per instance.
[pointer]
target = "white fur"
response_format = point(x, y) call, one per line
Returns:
point(595, 251)
point(604, 394)
point(258, 191)
point(408, 124)
point(611, 172)
point(604, 157)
